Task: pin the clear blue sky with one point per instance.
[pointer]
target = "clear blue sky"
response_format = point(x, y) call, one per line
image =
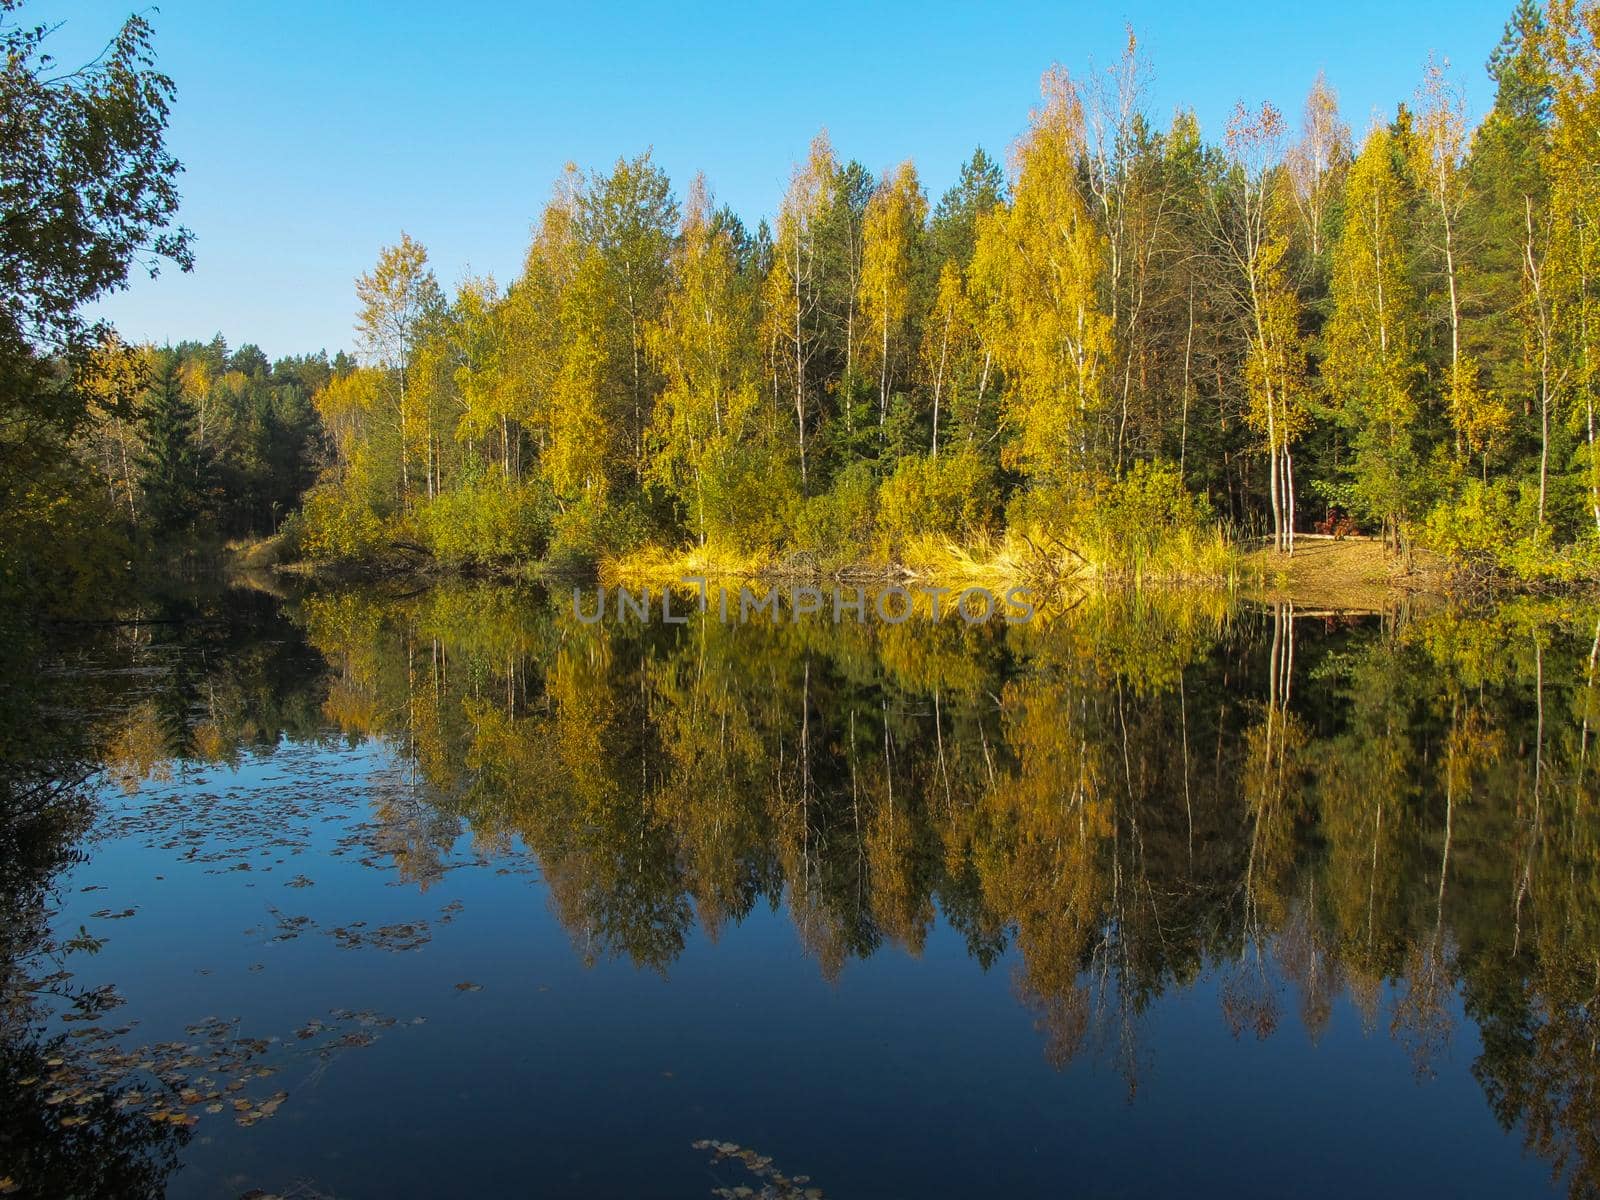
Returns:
point(314, 132)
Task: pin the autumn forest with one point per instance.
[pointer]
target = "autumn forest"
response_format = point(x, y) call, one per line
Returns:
point(1247, 848)
point(1132, 342)
point(1134, 346)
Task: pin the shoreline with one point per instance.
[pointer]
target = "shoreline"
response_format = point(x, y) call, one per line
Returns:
point(1351, 574)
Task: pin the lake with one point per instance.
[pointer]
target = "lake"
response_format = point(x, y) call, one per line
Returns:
point(394, 892)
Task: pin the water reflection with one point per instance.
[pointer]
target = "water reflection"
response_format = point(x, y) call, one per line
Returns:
point(105, 697)
point(1130, 792)
point(1126, 794)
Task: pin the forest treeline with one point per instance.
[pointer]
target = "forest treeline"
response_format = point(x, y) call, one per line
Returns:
point(1132, 339)
point(109, 452)
point(215, 440)
point(88, 196)
point(1132, 347)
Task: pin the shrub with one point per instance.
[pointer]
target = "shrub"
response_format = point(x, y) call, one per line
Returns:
point(486, 521)
point(1130, 520)
point(835, 528)
point(750, 499)
point(336, 525)
point(292, 537)
point(950, 497)
point(1494, 528)
point(1146, 524)
point(591, 530)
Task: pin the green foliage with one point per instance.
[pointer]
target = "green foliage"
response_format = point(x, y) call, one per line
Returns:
point(953, 228)
point(1493, 529)
point(1484, 522)
point(172, 473)
point(751, 498)
point(486, 521)
point(952, 497)
point(584, 533)
point(86, 183)
point(337, 526)
point(835, 528)
point(88, 192)
point(1133, 520)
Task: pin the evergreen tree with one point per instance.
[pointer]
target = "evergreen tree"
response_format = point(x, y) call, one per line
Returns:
point(953, 229)
point(1506, 177)
point(172, 473)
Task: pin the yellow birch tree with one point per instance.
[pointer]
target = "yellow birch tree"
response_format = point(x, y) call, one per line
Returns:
point(1039, 262)
point(1372, 363)
point(890, 233)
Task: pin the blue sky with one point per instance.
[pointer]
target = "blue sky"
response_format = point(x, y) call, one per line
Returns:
point(313, 133)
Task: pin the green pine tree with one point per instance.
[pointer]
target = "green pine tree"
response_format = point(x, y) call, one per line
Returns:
point(1507, 179)
point(172, 469)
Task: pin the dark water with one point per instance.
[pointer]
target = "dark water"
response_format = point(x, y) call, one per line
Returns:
point(366, 894)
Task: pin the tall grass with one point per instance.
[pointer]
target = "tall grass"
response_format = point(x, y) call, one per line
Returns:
point(1186, 555)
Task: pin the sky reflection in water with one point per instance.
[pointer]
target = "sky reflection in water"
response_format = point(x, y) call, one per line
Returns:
point(1154, 895)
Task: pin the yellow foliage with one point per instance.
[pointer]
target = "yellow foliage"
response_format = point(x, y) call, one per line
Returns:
point(1036, 271)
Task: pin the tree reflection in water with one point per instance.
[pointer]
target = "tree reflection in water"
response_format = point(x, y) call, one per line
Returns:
point(1133, 791)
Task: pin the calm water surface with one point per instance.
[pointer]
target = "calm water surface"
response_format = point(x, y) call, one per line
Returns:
point(372, 894)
